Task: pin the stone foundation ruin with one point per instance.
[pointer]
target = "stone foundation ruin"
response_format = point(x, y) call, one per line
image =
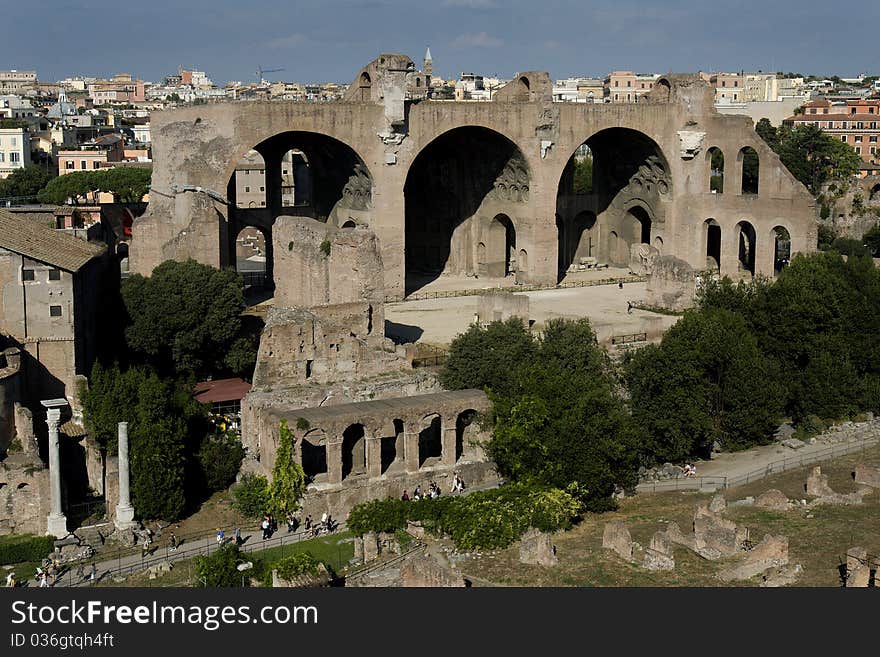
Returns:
point(365, 424)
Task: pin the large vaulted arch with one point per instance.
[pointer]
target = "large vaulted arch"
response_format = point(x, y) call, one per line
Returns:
point(611, 195)
point(463, 195)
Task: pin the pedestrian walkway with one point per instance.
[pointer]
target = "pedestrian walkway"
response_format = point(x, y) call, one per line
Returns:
point(730, 469)
point(124, 565)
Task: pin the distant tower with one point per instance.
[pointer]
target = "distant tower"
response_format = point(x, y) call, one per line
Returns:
point(428, 69)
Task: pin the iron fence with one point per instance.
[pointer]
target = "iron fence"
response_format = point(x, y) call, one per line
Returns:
point(711, 484)
point(448, 294)
point(129, 562)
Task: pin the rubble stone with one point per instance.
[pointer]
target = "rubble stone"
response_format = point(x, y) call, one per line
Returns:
point(773, 499)
point(617, 538)
point(537, 548)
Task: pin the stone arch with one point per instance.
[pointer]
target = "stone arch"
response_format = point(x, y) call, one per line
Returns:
point(658, 244)
point(463, 430)
point(253, 257)
point(750, 167)
point(712, 244)
point(524, 84)
point(875, 192)
point(431, 440)
point(715, 162)
point(627, 168)
point(461, 175)
point(500, 247)
point(354, 451)
point(781, 248)
point(22, 486)
point(746, 244)
point(391, 446)
point(330, 176)
point(522, 262)
point(313, 454)
point(580, 241)
point(642, 226)
point(349, 223)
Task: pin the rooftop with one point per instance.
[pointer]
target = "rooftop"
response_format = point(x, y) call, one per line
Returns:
point(39, 242)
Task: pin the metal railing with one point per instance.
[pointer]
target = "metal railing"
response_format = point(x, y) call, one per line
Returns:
point(129, 563)
point(378, 564)
point(448, 294)
point(711, 484)
point(629, 338)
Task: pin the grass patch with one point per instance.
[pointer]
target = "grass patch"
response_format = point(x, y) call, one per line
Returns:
point(818, 536)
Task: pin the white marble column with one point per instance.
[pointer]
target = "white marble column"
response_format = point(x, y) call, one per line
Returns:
point(56, 524)
point(124, 510)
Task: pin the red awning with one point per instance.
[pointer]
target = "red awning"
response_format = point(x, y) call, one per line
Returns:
point(221, 390)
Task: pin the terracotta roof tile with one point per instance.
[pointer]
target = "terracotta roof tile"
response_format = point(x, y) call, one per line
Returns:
point(39, 242)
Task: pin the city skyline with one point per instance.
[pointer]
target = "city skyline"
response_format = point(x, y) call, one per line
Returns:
point(329, 41)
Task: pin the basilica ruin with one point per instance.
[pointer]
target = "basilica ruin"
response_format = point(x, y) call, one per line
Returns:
point(480, 189)
point(375, 197)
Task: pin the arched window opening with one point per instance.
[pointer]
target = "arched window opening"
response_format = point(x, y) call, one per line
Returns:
point(713, 245)
point(431, 443)
point(750, 170)
point(716, 170)
point(354, 451)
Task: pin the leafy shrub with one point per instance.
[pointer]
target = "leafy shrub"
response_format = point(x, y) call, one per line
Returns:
point(325, 247)
point(296, 564)
point(484, 520)
point(219, 459)
point(25, 547)
point(219, 569)
point(251, 495)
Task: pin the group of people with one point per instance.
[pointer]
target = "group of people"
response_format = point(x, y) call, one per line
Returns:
point(268, 526)
point(433, 491)
point(47, 573)
point(325, 526)
point(690, 470)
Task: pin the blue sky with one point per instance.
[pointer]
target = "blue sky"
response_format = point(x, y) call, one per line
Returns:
point(317, 40)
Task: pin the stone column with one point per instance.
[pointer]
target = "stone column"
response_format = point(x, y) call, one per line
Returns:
point(56, 524)
point(124, 510)
point(448, 442)
point(374, 457)
point(334, 462)
point(411, 451)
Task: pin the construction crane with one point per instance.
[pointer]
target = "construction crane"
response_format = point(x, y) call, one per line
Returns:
point(261, 70)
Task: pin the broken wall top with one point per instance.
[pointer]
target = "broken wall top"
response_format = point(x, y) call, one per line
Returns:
point(318, 265)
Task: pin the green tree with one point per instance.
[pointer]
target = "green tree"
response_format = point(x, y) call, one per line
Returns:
point(110, 398)
point(220, 569)
point(25, 182)
point(71, 187)
point(219, 458)
point(821, 306)
point(560, 423)
point(812, 156)
point(768, 133)
point(872, 240)
point(250, 495)
point(158, 459)
point(185, 317)
point(583, 175)
point(288, 479)
point(698, 388)
point(485, 357)
point(127, 184)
